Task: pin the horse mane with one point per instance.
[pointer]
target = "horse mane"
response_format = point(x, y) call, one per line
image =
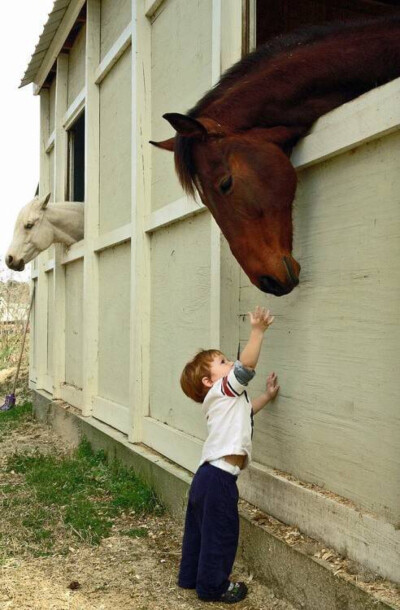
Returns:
point(277, 45)
point(184, 163)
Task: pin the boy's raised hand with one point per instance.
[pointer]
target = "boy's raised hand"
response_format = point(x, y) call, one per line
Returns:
point(261, 318)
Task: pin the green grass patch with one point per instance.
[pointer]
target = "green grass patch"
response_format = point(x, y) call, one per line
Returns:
point(139, 532)
point(11, 420)
point(78, 495)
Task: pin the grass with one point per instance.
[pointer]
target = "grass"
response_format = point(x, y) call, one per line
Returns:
point(49, 502)
point(13, 419)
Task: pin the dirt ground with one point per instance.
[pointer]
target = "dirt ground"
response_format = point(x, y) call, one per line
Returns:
point(121, 573)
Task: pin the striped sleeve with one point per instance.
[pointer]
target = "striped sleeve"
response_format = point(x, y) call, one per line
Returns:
point(236, 381)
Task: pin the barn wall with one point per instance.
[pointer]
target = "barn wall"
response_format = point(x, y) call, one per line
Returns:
point(335, 342)
point(119, 314)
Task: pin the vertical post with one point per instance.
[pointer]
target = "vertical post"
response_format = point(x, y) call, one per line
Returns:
point(229, 271)
point(215, 238)
point(60, 181)
point(90, 266)
point(140, 241)
point(41, 292)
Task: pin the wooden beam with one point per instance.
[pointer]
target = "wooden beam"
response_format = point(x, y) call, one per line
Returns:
point(139, 373)
point(118, 48)
point(92, 186)
point(60, 183)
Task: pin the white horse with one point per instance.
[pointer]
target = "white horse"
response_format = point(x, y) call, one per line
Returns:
point(40, 224)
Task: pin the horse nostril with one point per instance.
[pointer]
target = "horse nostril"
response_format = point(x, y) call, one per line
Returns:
point(272, 286)
point(9, 259)
point(289, 266)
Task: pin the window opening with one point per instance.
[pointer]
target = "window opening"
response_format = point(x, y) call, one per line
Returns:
point(76, 160)
point(282, 16)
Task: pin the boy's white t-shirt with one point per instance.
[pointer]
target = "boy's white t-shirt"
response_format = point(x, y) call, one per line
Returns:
point(229, 416)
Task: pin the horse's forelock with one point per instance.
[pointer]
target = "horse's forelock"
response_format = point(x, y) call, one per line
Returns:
point(184, 164)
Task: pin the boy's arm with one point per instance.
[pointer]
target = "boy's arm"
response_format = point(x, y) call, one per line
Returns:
point(271, 390)
point(260, 320)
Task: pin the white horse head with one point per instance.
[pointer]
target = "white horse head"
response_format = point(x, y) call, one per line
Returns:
point(40, 224)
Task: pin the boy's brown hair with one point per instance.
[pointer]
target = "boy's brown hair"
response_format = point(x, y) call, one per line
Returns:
point(194, 371)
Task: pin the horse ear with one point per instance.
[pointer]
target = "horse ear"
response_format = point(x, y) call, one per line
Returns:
point(45, 201)
point(185, 125)
point(165, 144)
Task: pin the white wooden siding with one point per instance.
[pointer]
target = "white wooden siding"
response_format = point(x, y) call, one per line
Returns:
point(335, 342)
point(115, 146)
point(73, 324)
point(50, 330)
point(52, 105)
point(115, 15)
point(180, 73)
point(76, 66)
point(114, 314)
point(180, 283)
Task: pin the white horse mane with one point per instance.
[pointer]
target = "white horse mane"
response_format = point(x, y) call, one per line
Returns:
point(41, 224)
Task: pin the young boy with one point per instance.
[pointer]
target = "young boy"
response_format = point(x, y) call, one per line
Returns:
point(212, 522)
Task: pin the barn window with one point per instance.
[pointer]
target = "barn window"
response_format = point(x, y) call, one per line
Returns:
point(281, 16)
point(76, 160)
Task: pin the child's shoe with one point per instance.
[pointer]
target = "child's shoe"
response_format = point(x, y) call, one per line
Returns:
point(235, 593)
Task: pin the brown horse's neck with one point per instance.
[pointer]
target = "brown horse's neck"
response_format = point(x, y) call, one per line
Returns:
point(298, 84)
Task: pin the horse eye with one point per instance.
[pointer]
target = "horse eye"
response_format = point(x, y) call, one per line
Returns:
point(225, 185)
point(29, 225)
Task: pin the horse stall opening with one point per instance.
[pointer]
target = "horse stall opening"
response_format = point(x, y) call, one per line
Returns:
point(118, 314)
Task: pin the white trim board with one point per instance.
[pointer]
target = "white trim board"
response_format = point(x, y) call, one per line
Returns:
point(117, 50)
point(50, 143)
point(72, 395)
point(74, 253)
point(113, 238)
point(49, 265)
point(371, 116)
point(111, 413)
point(74, 110)
point(177, 446)
point(151, 7)
point(173, 212)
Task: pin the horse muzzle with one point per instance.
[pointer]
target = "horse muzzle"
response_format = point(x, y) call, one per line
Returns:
point(15, 264)
point(271, 285)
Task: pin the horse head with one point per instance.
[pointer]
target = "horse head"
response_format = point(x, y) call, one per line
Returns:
point(246, 180)
point(32, 234)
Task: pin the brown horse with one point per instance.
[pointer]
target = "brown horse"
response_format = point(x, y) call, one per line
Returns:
point(234, 145)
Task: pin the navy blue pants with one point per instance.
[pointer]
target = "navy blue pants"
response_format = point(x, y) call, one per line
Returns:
point(211, 533)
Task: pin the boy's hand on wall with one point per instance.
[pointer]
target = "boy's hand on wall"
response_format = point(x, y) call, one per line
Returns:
point(272, 387)
point(261, 318)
